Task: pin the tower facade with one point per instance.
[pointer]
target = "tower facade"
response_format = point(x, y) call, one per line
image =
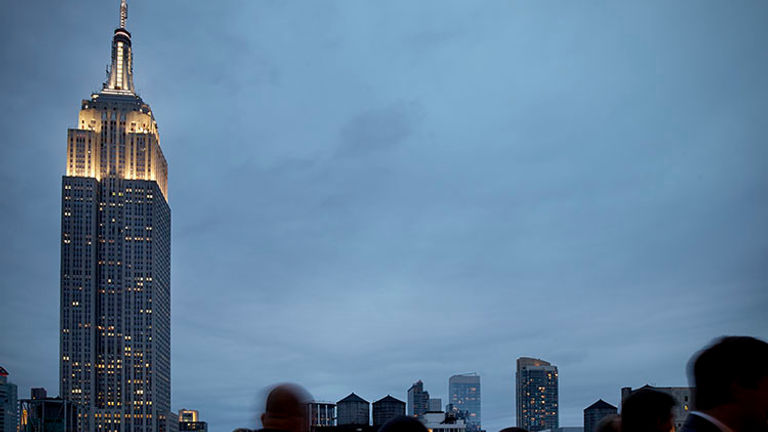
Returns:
point(115, 259)
point(417, 399)
point(464, 395)
point(537, 394)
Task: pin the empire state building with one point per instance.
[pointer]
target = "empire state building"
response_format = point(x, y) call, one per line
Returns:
point(115, 259)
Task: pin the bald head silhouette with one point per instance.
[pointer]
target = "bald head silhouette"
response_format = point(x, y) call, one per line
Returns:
point(286, 409)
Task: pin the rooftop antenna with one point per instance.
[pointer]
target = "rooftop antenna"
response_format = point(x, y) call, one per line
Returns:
point(123, 13)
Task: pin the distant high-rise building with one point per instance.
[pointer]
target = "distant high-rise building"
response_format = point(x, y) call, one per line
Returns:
point(434, 405)
point(321, 414)
point(537, 394)
point(189, 420)
point(9, 404)
point(387, 408)
point(352, 410)
point(596, 412)
point(43, 414)
point(464, 395)
point(39, 393)
point(115, 323)
point(681, 394)
point(417, 399)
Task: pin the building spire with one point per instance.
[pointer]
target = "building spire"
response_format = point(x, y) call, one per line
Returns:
point(120, 78)
point(123, 13)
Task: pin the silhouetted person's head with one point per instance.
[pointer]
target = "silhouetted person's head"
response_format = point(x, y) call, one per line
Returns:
point(286, 409)
point(647, 410)
point(730, 380)
point(403, 424)
point(513, 429)
point(609, 423)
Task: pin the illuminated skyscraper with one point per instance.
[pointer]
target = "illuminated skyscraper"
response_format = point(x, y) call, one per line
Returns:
point(537, 394)
point(464, 396)
point(115, 259)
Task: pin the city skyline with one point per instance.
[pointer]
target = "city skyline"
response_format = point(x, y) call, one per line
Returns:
point(321, 413)
point(449, 185)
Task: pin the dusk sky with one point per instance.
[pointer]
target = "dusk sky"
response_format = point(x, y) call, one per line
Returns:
point(368, 193)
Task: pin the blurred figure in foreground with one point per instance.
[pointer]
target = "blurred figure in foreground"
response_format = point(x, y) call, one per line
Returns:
point(513, 429)
point(730, 380)
point(285, 410)
point(403, 424)
point(609, 423)
point(647, 410)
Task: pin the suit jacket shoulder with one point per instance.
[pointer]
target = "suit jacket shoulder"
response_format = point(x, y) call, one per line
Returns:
point(695, 423)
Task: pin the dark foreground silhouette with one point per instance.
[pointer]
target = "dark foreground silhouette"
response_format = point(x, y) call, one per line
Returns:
point(647, 410)
point(730, 380)
point(403, 424)
point(285, 410)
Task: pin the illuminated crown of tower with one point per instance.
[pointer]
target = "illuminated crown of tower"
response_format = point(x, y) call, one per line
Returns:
point(120, 80)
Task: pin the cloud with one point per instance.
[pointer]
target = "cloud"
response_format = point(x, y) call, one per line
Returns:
point(379, 129)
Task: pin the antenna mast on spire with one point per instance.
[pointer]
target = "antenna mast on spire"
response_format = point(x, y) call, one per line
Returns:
point(123, 13)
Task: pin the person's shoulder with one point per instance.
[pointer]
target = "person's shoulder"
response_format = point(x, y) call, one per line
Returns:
point(257, 430)
point(696, 423)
